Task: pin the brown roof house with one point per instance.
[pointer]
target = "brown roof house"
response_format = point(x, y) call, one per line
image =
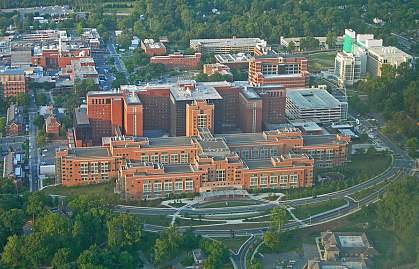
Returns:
point(52, 126)
point(14, 120)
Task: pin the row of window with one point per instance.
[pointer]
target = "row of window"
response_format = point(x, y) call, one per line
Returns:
point(168, 186)
point(273, 180)
point(182, 158)
point(93, 168)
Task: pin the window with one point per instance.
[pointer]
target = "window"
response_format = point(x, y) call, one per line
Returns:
point(84, 178)
point(253, 181)
point(144, 158)
point(104, 167)
point(146, 187)
point(157, 187)
point(168, 186)
point(179, 186)
point(220, 175)
point(255, 153)
point(264, 180)
point(273, 180)
point(189, 185)
point(184, 158)
point(202, 121)
point(94, 168)
point(84, 168)
point(264, 153)
point(164, 158)
point(245, 154)
point(283, 179)
point(174, 158)
point(154, 158)
point(293, 178)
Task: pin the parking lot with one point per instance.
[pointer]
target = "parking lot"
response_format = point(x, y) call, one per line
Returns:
point(290, 260)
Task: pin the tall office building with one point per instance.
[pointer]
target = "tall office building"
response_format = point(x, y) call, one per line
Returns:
point(199, 114)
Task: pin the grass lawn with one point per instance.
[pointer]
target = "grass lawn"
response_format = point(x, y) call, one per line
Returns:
point(155, 219)
point(306, 211)
point(188, 222)
point(238, 226)
point(229, 204)
point(233, 243)
point(321, 61)
point(363, 193)
point(104, 190)
point(367, 165)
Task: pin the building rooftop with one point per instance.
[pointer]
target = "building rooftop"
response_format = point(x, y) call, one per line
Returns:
point(104, 93)
point(178, 169)
point(389, 52)
point(132, 99)
point(90, 152)
point(250, 93)
point(243, 138)
point(150, 43)
point(12, 71)
point(233, 58)
point(81, 117)
point(198, 91)
point(312, 98)
point(227, 42)
point(311, 140)
point(162, 142)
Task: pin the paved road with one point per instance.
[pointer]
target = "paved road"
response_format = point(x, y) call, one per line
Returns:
point(239, 258)
point(120, 66)
point(33, 149)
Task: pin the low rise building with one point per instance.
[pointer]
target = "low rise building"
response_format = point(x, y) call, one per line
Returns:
point(158, 167)
point(316, 105)
point(235, 61)
point(153, 48)
point(228, 45)
point(211, 69)
point(341, 245)
point(381, 56)
point(13, 81)
point(178, 61)
point(52, 126)
point(286, 41)
point(290, 72)
point(14, 120)
point(348, 264)
point(13, 167)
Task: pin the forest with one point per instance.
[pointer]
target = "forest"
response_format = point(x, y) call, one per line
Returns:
point(183, 20)
point(84, 232)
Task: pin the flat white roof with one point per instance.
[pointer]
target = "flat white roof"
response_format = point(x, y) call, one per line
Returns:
point(351, 241)
point(312, 98)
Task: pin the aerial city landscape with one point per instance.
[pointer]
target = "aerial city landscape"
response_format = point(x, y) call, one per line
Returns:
point(209, 134)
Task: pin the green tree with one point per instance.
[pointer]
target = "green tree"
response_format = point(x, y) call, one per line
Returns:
point(331, 39)
point(167, 245)
point(2, 125)
point(412, 145)
point(291, 46)
point(39, 121)
point(309, 43)
point(278, 218)
point(62, 259)
point(271, 239)
point(124, 230)
point(12, 255)
point(37, 204)
point(79, 28)
point(11, 223)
